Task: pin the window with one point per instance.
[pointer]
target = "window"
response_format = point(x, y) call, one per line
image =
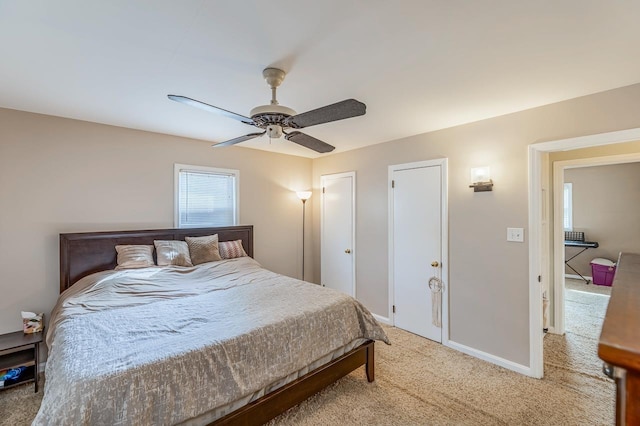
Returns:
point(568, 207)
point(205, 196)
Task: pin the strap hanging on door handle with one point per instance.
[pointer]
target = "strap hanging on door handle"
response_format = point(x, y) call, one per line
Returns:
point(435, 284)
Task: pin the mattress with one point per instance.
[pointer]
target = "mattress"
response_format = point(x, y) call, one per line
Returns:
point(187, 345)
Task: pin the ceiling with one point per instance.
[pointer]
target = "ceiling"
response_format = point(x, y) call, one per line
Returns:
point(418, 65)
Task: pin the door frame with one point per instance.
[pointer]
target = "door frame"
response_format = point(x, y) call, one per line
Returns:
point(354, 252)
point(537, 239)
point(444, 238)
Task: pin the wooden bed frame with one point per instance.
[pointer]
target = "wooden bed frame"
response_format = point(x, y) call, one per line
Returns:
point(82, 254)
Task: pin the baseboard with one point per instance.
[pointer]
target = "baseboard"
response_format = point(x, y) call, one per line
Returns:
point(509, 365)
point(383, 320)
point(577, 277)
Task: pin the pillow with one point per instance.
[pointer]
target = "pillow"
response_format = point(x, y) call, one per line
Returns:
point(203, 249)
point(231, 249)
point(172, 252)
point(134, 256)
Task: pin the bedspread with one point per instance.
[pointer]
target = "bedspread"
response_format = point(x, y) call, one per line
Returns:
point(164, 345)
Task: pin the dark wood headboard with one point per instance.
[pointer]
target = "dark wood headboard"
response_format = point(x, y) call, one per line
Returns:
point(84, 253)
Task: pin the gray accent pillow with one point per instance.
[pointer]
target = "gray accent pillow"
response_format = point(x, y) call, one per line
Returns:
point(203, 249)
point(172, 252)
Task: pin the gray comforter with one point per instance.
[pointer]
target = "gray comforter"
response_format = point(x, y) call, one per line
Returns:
point(164, 345)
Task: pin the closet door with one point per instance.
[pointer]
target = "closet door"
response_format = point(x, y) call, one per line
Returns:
point(338, 232)
point(416, 248)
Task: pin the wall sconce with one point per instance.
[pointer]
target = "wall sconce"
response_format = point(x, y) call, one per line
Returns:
point(481, 179)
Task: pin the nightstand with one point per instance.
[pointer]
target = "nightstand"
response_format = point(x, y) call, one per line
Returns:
point(19, 349)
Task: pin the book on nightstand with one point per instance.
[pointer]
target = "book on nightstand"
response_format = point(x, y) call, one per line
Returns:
point(12, 376)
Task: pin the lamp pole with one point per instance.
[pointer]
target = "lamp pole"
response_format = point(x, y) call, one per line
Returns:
point(304, 203)
point(304, 196)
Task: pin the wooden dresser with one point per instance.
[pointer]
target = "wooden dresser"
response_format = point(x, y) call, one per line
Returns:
point(619, 345)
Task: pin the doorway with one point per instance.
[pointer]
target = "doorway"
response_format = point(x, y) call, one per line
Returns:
point(542, 245)
point(337, 229)
point(418, 248)
point(561, 169)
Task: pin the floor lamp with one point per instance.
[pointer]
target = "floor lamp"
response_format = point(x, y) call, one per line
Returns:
point(304, 196)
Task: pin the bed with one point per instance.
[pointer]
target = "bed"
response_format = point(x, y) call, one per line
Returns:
point(223, 342)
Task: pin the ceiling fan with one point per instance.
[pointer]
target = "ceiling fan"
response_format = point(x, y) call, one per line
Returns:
point(275, 119)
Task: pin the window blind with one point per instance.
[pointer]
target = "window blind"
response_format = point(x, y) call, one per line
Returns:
point(206, 199)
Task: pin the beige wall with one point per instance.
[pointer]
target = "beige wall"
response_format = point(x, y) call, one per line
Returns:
point(488, 279)
point(595, 152)
point(606, 207)
point(60, 175)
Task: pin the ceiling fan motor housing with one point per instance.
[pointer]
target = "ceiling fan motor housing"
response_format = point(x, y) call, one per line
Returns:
point(271, 118)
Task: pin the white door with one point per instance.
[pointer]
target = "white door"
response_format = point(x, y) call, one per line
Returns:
point(338, 232)
point(416, 243)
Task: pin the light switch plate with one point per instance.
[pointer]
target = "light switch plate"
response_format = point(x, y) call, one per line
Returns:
point(515, 234)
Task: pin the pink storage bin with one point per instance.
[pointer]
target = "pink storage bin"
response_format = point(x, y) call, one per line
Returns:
point(603, 271)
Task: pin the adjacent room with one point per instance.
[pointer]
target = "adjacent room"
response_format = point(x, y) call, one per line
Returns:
point(305, 213)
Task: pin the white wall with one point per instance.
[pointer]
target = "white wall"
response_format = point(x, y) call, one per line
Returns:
point(59, 175)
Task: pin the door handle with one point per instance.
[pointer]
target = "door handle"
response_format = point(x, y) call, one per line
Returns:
point(347, 251)
point(435, 264)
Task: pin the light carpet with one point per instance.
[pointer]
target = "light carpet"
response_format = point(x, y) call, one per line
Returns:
point(419, 382)
point(580, 285)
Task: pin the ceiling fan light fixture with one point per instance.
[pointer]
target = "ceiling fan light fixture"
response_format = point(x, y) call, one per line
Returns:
point(274, 131)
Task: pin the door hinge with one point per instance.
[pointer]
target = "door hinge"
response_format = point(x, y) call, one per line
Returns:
point(394, 309)
point(323, 189)
point(393, 183)
point(539, 278)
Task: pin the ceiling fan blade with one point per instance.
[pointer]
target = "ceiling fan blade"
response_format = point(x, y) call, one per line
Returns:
point(211, 108)
point(334, 112)
point(238, 140)
point(309, 142)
